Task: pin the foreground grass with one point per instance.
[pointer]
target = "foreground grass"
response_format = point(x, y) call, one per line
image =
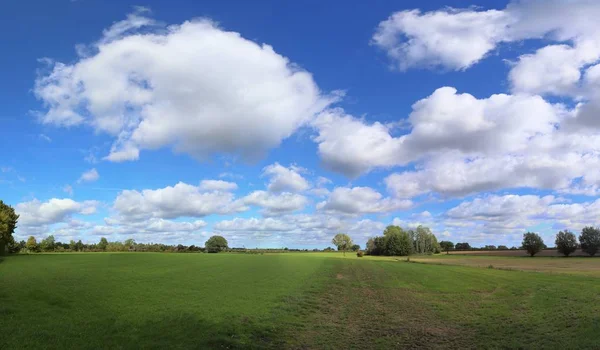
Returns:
point(147, 300)
point(302, 301)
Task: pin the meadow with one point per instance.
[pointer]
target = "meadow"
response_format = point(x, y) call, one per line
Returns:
point(289, 300)
point(577, 265)
point(516, 252)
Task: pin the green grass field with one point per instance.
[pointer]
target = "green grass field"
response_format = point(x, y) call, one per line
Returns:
point(294, 300)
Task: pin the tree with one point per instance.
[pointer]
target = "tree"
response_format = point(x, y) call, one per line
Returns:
point(8, 224)
point(502, 247)
point(424, 241)
point(462, 246)
point(435, 246)
point(129, 244)
point(79, 246)
point(566, 242)
point(47, 244)
point(342, 241)
point(355, 247)
point(102, 244)
point(590, 240)
point(16, 247)
point(532, 243)
point(447, 246)
point(376, 245)
point(31, 244)
point(216, 244)
point(398, 242)
point(392, 229)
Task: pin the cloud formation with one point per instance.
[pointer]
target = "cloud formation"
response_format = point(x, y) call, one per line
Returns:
point(193, 87)
point(89, 176)
point(456, 39)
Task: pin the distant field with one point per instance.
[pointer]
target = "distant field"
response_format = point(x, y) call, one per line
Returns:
point(572, 265)
point(294, 301)
point(546, 252)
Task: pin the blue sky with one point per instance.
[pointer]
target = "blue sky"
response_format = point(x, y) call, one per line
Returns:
point(282, 124)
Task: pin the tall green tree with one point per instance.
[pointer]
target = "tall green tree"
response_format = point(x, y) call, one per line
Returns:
point(216, 244)
point(532, 243)
point(590, 240)
point(376, 245)
point(102, 244)
point(566, 242)
point(48, 244)
point(424, 241)
point(342, 241)
point(8, 224)
point(462, 246)
point(447, 246)
point(397, 242)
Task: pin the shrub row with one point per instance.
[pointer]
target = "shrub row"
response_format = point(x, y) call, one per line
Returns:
point(397, 241)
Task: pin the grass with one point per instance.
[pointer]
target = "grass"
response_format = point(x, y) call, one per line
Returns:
point(297, 301)
point(588, 266)
point(517, 252)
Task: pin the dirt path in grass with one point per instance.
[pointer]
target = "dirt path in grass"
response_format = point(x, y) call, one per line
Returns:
point(358, 310)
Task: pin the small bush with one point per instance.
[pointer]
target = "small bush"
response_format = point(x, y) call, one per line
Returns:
point(360, 253)
point(490, 266)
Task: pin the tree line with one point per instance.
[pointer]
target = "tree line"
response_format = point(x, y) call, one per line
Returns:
point(396, 241)
point(565, 243)
point(214, 244)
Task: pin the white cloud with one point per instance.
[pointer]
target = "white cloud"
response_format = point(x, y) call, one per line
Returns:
point(134, 21)
point(45, 138)
point(458, 38)
point(299, 229)
point(231, 175)
point(254, 224)
point(35, 213)
point(360, 200)
point(172, 202)
point(492, 208)
point(276, 204)
point(285, 179)
point(150, 230)
point(449, 125)
point(165, 226)
point(459, 144)
point(455, 175)
point(218, 185)
point(451, 38)
point(350, 146)
point(193, 87)
point(514, 214)
point(89, 176)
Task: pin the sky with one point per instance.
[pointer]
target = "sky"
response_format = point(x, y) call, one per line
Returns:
point(280, 124)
